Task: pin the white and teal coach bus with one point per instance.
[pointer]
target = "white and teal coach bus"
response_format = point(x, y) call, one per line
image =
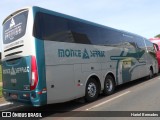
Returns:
point(50, 57)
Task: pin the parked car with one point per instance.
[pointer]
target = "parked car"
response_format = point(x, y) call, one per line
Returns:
point(156, 43)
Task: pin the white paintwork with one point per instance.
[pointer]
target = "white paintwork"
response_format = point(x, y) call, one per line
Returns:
point(64, 72)
point(27, 40)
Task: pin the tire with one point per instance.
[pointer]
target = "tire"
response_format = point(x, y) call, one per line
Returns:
point(92, 90)
point(109, 85)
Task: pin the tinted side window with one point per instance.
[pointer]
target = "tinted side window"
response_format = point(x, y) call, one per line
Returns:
point(149, 46)
point(49, 27)
point(83, 33)
point(90, 34)
point(110, 37)
point(130, 45)
point(140, 43)
point(55, 28)
point(129, 42)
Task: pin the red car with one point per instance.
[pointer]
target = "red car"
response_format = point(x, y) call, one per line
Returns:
point(156, 43)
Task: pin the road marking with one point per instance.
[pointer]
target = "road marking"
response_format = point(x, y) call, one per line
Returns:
point(109, 100)
point(12, 108)
point(4, 104)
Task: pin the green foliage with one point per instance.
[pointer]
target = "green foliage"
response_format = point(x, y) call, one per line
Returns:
point(1, 91)
point(0, 74)
point(157, 36)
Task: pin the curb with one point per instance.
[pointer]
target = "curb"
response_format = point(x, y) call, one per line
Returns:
point(3, 106)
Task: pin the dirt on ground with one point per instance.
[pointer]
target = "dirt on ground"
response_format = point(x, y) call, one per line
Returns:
point(2, 100)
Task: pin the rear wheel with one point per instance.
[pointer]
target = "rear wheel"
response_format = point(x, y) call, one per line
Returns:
point(92, 90)
point(109, 85)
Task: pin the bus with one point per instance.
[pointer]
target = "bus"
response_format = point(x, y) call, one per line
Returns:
point(49, 57)
point(156, 42)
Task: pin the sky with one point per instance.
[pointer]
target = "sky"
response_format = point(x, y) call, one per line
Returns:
point(141, 17)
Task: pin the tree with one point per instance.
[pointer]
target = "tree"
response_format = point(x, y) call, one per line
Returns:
point(157, 36)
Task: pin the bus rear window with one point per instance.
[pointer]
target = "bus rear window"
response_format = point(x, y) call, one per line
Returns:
point(15, 27)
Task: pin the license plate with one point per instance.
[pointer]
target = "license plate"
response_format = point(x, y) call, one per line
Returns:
point(14, 96)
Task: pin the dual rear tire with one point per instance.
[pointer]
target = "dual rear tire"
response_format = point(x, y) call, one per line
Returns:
point(93, 88)
point(109, 85)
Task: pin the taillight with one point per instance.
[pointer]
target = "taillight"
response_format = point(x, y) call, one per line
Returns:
point(34, 73)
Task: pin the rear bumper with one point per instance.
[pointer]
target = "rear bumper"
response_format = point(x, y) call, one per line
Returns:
point(25, 97)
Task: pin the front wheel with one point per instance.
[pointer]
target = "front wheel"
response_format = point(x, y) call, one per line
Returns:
point(109, 85)
point(92, 90)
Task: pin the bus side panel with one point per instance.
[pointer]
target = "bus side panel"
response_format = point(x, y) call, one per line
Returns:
point(41, 87)
point(60, 83)
point(59, 77)
point(79, 81)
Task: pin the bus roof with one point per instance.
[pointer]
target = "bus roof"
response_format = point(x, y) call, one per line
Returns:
point(12, 14)
point(39, 9)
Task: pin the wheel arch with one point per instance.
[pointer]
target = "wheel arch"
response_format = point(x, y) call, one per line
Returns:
point(151, 68)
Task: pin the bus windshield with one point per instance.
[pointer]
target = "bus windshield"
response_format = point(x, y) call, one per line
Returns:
point(15, 27)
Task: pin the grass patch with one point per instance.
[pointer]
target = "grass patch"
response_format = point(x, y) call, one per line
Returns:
point(0, 91)
point(0, 73)
point(0, 81)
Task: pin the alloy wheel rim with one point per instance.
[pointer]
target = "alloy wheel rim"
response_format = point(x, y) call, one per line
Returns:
point(109, 85)
point(92, 89)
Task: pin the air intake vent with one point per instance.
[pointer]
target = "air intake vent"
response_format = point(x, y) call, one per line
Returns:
point(13, 53)
point(13, 48)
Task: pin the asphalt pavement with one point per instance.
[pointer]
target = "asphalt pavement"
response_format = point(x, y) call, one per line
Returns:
point(130, 101)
